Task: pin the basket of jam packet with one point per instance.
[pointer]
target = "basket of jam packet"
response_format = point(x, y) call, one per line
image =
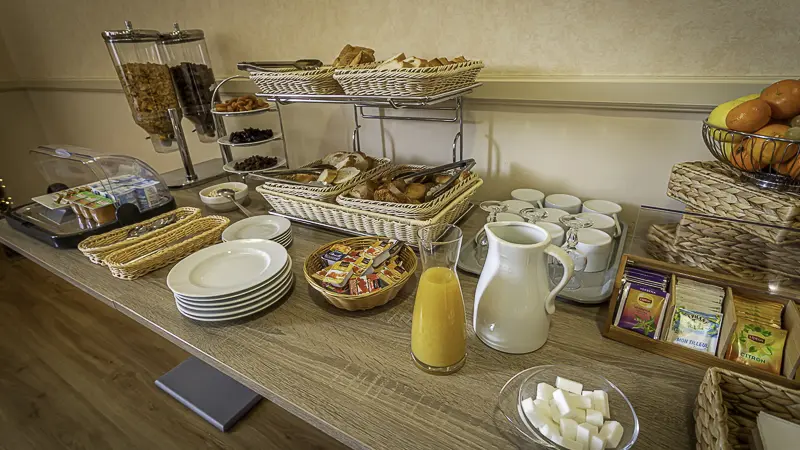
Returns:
point(360, 273)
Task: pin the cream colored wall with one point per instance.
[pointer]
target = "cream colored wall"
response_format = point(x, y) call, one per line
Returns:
point(619, 155)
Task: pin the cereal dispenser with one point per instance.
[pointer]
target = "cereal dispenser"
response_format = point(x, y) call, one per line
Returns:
point(139, 60)
point(166, 76)
point(190, 66)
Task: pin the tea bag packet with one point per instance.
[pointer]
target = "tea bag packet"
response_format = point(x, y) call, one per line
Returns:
point(761, 312)
point(758, 346)
point(642, 309)
point(696, 330)
point(645, 277)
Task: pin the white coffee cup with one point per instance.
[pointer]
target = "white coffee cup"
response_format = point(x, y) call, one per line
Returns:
point(552, 216)
point(515, 206)
point(564, 202)
point(605, 208)
point(601, 222)
point(509, 217)
point(531, 196)
point(596, 246)
point(556, 232)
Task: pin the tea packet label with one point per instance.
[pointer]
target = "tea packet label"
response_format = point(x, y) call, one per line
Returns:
point(642, 310)
point(758, 346)
point(696, 330)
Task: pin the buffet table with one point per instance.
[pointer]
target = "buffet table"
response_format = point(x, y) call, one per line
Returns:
point(351, 374)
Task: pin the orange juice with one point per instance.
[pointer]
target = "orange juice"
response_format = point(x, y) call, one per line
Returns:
point(438, 330)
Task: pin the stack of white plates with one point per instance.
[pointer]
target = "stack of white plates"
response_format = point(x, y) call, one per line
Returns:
point(231, 280)
point(273, 228)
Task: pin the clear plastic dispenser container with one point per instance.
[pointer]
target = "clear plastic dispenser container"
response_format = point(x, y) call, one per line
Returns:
point(190, 67)
point(89, 193)
point(140, 62)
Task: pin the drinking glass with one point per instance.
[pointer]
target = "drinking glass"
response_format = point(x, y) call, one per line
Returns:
point(439, 327)
point(493, 207)
point(533, 215)
point(573, 223)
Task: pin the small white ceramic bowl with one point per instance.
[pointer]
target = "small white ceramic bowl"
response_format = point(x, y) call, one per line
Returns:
point(222, 204)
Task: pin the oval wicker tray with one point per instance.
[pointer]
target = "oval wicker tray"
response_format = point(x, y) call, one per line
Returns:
point(152, 254)
point(728, 404)
point(314, 263)
point(327, 192)
point(98, 247)
point(412, 82)
point(421, 211)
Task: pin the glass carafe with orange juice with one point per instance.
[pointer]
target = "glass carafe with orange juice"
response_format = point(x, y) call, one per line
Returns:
point(439, 329)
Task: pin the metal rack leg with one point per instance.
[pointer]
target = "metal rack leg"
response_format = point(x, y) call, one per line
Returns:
point(283, 134)
point(460, 107)
point(356, 132)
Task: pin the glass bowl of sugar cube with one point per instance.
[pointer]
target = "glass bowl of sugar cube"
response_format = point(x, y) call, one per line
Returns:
point(566, 407)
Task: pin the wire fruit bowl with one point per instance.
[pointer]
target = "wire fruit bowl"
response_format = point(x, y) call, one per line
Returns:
point(769, 162)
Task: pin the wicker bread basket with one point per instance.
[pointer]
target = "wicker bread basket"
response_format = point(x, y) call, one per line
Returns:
point(421, 211)
point(366, 221)
point(164, 249)
point(314, 263)
point(98, 247)
point(713, 188)
point(327, 192)
point(411, 82)
point(293, 81)
point(728, 404)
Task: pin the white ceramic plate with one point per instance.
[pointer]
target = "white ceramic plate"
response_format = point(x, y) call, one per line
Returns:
point(237, 308)
point(231, 169)
point(226, 140)
point(235, 295)
point(227, 268)
point(257, 309)
point(282, 239)
point(257, 227)
point(237, 299)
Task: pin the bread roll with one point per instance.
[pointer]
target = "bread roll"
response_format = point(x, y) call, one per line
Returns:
point(327, 176)
point(346, 174)
point(416, 191)
point(749, 116)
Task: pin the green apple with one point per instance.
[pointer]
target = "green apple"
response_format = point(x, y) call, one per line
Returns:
point(720, 113)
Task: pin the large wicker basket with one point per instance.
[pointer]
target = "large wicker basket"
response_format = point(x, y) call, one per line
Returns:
point(421, 211)
point(293, 81)
point(133, 262)
point(728, 404)
point(661, 245)
point(412, 82)
point(314, 263)
point(98, 247)
point(326, 192)
point(365, 221)
point(713, 188)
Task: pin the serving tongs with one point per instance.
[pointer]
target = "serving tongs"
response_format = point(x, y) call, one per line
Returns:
point(272, 175)
point(275, 66)
point(439, 189)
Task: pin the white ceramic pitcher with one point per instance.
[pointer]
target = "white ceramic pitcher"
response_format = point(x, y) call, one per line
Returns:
point(513, 301)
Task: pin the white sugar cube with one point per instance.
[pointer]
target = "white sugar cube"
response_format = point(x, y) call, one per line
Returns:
point(580, 415)
point(534, 414)
point(597, 443)
point(555, 414)
point(568, 428)
point(600, 402)
point(551, 431)
point(594, 417)
point(572, 444)
point(544, 391)
point(611, 433)
point(563, 405)
point(583, 434)
point(583, 402)
point(587, 392)
point(569, 385)
point(539, 402)
point(593, 429)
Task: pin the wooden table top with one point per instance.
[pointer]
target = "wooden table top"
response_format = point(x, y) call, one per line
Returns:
point(350, 374)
